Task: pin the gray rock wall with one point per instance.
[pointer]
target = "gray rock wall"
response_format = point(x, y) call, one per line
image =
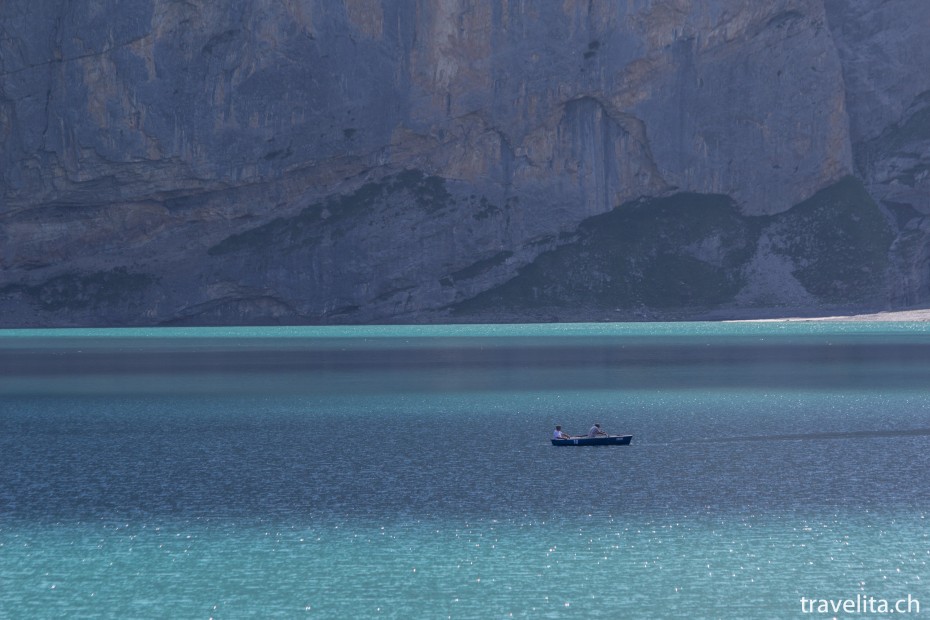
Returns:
point(883, 46)
point(306, 161)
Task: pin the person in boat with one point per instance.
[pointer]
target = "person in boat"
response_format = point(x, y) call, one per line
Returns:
point(596, 430)
point(558, 434)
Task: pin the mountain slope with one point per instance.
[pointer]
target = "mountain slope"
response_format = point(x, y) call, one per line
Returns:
point(315, 162)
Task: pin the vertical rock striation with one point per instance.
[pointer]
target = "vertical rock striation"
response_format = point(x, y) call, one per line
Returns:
point(307, 161)
point(882, 47)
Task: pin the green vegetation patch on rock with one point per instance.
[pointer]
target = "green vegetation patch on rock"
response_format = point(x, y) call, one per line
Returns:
point(78, 291)
point(477, 268)
point(691, 252)
point(337, 213)
point(685, 250)
point(839, 240)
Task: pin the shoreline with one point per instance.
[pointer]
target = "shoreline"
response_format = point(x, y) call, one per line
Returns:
point(559, 315)
point(916, 315)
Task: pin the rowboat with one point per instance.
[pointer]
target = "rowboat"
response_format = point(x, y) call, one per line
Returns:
point(609, 440)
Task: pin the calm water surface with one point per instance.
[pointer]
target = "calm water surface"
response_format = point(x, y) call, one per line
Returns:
point(406, 471)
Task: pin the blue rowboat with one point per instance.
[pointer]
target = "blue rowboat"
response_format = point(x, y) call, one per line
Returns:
point(610, 440)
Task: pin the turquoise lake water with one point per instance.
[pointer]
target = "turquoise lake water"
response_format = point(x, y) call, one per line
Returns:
point(355, 472)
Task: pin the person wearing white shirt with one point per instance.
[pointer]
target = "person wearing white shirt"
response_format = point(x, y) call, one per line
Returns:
point(558, 434)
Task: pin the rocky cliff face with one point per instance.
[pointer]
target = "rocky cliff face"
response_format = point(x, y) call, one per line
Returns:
point(168, 162)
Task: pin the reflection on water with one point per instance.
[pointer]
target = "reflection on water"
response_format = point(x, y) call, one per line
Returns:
point(413, 476)
point(603, 360)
